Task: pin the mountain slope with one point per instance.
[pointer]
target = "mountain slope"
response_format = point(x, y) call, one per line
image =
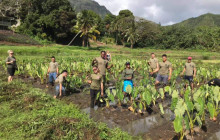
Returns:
point(80, 5)
point(211, 20)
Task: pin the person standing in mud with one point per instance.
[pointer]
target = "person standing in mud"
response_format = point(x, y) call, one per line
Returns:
point(153, 63)
point(96, 85)
point(52, 71)
point(102, 65)
point(164, 70)
point(11, 65)
point(190, 70)
point(60, 89)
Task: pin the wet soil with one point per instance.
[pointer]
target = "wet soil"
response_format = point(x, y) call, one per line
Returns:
point(149, 125)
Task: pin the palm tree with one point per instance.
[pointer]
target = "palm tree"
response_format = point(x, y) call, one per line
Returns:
point(132, 36)
point(86, 26)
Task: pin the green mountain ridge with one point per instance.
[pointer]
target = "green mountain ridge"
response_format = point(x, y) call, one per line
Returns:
point(80, 5)
point(209, 19)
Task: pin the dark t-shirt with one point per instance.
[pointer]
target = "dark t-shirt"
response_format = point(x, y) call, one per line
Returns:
point(214, 82)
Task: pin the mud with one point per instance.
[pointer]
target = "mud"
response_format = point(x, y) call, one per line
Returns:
point(149, 125)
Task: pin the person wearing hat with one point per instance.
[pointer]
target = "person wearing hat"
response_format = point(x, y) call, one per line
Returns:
point(190, 71)
point(52, 70)
point(60, 89)
point(153, 62)
point(96, 85)
point(127, 76)
point(11, 65)
point(164, 70)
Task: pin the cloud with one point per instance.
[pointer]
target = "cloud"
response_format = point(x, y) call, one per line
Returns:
point(165, 12)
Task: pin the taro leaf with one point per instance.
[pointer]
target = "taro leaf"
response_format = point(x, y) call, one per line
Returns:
point(211, 109)
point(180, 109)
point(200, 105)
point(173, 103)
point(186, 120)
point(111, 97)
point(175, 94)
point(199, 121)
point(129, 89)
point(161, 108)
point(114, 92)
point(216, 94)
point(147, 97)
point(161, 92)
point(190, 106)
point(196, 95)
point(178, 124)
point(98, 95)
point(167, 89)
point(140, 106)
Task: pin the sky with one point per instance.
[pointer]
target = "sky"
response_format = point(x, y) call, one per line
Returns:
point(166, 12)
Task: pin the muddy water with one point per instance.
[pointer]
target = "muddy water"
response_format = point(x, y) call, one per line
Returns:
point(136, 127)
point(215, 136)
point(144, 125)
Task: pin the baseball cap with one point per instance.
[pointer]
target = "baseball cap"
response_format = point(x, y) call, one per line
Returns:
point(127, 63)
point(189, 58)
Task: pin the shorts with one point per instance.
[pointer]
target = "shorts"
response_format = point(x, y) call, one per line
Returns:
point(126, 84)
point(189, 78)
point(11, 71)
point(162, 78)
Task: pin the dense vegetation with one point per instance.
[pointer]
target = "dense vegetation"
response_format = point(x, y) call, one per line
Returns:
point(29, 113)
point(57, 21)
point(31, 107)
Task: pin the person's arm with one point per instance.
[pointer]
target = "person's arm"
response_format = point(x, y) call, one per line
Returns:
point(94, 61)
point(57, 69)
point(170, 72)
point(61, 89)
point(183, 71)
point(48, 70)
point(7, 61)
point(194, 71)
point(102, 89)
point(89, 80)
point(156, 70)
point(109, 66)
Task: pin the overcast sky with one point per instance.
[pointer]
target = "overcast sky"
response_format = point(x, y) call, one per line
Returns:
point(164, 11)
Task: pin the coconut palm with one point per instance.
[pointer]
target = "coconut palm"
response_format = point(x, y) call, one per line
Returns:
point(86, 26)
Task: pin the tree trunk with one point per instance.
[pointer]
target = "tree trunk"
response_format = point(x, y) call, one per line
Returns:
point(74, 38)
point(83, 41)
point(132, 44)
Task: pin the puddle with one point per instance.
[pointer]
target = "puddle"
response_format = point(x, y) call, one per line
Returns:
point(144, 125)
point(134, 127)
point(216, 136)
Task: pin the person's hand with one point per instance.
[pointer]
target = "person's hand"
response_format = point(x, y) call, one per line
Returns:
point(194, 76)
point(11, 61)
point(151, 73)
point(129, 78)
point(134, 85)
point(47, 74)
point(102, 94)
point(60, 95)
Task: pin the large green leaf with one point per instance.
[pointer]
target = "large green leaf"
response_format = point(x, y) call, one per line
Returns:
point(211, 109)
point(180, 109)
point(161, 108)
point(178, 127)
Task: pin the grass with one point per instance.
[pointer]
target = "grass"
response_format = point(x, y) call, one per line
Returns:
point(28, 113)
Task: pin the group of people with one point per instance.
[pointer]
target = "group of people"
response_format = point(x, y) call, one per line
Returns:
point(161, 71)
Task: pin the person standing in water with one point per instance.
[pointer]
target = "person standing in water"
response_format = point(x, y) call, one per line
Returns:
point(11, 65)
point(96, 85)
point(52, 71)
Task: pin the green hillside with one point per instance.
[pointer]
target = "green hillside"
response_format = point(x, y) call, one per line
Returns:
point(80, 5)
point(211, 20)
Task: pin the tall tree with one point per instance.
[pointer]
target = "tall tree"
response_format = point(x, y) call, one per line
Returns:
point(86, 26)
